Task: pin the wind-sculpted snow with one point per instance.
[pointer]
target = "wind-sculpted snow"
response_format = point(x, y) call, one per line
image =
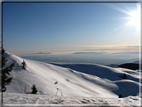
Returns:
point(52, 100)
point(102, 71)
point(126, 87)
point(71, 80)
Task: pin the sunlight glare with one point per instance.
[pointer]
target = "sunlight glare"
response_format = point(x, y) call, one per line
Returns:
point(135, 18)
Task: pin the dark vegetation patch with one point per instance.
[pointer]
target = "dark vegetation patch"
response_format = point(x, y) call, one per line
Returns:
point(131, 66)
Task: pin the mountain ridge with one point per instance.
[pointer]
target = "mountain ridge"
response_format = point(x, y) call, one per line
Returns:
point(70, 82)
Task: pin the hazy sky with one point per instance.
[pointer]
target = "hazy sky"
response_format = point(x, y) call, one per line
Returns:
point(70, 27)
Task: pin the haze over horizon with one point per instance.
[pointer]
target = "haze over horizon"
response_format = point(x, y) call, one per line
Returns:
point(70, 27)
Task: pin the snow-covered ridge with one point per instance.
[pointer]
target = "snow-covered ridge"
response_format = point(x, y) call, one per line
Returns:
point(86, 80)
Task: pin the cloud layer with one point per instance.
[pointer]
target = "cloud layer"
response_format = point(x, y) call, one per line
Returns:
point(42, 53)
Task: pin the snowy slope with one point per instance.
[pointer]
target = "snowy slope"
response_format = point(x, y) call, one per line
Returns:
point(102, 81)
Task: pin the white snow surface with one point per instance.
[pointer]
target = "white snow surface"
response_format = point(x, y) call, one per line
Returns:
point(15, 99)
point(74, 86)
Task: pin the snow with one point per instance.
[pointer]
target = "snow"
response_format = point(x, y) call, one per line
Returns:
point(52, 100)
point(76, 83)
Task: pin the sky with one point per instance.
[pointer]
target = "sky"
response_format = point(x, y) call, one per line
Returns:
point(70, 27)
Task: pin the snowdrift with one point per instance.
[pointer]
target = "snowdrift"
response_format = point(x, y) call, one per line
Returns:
point(72, 80)
point(20, 100)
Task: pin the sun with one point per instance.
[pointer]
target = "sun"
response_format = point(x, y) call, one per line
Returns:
point(134, 18)
point(133, 15)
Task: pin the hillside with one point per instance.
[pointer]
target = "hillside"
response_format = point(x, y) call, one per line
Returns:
point(82, 80)
point(132, 66)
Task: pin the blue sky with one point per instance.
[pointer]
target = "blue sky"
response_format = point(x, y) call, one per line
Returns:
point(68, 27)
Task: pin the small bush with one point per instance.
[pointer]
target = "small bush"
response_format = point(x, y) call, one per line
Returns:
point(23, 64)
point(34, 90)
point(120, 96)
point(124, 76)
